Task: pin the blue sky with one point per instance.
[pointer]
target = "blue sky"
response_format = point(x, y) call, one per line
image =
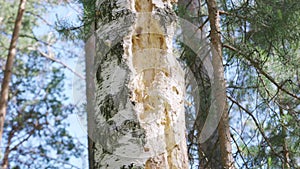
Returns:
point(73, 85)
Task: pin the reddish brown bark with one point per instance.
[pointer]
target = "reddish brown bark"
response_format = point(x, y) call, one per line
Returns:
point(217, 62)
point(8, 71)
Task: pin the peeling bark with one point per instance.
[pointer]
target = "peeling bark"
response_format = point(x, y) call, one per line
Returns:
point(139, 88)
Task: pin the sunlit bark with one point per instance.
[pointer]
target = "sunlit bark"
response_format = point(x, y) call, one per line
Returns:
point(139, 97)
point(217, 62)
point(7, 76)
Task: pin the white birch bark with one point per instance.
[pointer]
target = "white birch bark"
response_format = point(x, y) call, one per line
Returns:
point(139, 88)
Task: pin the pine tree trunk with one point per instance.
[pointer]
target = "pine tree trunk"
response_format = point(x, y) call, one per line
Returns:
point(7, 76)
point(208, 151)
point(138, 120)
point(217, 62)
point(285, 150)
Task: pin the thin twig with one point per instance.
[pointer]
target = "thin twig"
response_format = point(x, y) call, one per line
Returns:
point(60, 62)
point(256, 123)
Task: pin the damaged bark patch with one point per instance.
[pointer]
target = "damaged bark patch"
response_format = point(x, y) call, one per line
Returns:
point(138, 120)
point(106, 14)
point(99, 78)
point(114, 53)
point(148, 41)
point(134, 128)
point(175, 90)
point(143, 5)
point(131, 166)
point(117, 51)
point(107, 107)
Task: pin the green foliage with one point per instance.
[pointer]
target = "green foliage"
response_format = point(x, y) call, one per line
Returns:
point(35, 127)
point(266, 38)
point(86, 21)
point(262, 70)
point(276, 21)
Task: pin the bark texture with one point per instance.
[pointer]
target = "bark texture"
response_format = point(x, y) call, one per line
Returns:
point(90, 52)
point(7, 74)
point(285, 150)
point(139, 98)
point(217, 62)
point(209, 154)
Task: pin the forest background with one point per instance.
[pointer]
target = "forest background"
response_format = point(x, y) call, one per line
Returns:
point(45, 123)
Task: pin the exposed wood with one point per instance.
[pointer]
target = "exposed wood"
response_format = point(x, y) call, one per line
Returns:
point(139, 88)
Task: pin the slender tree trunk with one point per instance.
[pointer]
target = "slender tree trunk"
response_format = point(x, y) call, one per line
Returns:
point(217, 62)
point(285, 151)
point(8, 70)
point(139, 97)
point(5, 161)
point(7, 76)
point(208, 151)
point(90, 52)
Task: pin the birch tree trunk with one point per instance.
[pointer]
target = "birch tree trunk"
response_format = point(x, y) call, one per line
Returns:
point(138, 118)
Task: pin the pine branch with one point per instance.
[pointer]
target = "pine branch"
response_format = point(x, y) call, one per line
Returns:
point(256, 123)
point(256, 65)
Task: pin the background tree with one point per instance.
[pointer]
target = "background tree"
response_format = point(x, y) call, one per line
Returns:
point(261, 40)
point(8, 68)
point(35, 131)
point(207, 154)
point(260, 48)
